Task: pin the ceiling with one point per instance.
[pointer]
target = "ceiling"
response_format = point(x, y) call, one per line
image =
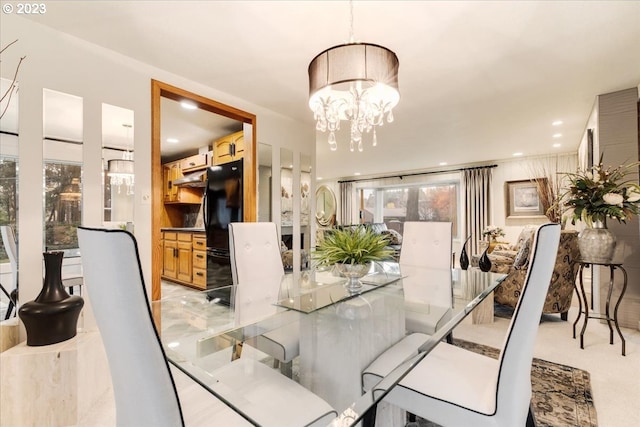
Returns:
point(193, 129)
point(478, 80)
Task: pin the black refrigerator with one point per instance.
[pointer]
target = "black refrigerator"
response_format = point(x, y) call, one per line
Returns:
point(222, 205)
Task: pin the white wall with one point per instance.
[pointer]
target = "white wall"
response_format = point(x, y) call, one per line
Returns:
point(519, 169)
point(60, 62)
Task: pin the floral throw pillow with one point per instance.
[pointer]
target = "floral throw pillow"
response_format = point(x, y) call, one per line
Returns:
point(502, 247)
point(394, 237)
point(521, 262)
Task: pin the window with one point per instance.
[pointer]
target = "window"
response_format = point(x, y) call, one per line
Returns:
point(63, 205)
point(421, 202)
point(8, 197)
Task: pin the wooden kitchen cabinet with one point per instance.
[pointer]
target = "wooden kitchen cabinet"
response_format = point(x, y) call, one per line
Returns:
point(193, 163)
point(169, 255)
point(185, 261)
point(199, 242)
point(185, 258)
point(171, 172)
point(228, 148)
point(199, 278)
point(176, 194)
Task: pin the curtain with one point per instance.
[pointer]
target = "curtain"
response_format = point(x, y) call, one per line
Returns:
point(477, 204)
point(346, 202)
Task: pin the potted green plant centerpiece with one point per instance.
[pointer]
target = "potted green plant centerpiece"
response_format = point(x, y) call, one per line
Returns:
point(351, 251)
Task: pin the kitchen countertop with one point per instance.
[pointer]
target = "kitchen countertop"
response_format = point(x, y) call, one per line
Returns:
point(190, 229)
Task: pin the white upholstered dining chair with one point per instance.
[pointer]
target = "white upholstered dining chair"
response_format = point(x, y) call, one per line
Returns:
point(257, 270)
point(426, 244)
point(148, 390)
point(456, 387)
point(428, 300)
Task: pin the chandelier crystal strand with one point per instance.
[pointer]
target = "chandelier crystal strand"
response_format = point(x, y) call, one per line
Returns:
point(333, 145)
point(122, 179)
point(355, 82)
point(121, 171)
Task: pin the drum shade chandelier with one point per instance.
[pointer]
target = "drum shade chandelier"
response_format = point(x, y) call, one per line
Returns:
point(357, 82)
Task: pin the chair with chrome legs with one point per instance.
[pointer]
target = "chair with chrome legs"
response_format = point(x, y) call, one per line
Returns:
point(148, 390)
point(456, 387)
point(257, 270)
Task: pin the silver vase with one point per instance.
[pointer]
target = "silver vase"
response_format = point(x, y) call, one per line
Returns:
point(353, 273)
point(596, 243)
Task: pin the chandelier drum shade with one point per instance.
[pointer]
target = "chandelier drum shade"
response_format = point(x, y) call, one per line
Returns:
point(120, 172)
point(357, 82)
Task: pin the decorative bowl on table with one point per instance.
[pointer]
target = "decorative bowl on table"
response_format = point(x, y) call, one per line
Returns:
point(353, 273)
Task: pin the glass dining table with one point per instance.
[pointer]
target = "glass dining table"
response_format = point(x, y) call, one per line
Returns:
point(340, 332)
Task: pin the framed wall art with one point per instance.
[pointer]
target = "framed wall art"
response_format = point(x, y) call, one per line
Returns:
point(523, 199)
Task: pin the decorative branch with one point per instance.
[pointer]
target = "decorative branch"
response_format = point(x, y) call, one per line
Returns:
point(12, 87)
point(547, 177)
point(5, 48)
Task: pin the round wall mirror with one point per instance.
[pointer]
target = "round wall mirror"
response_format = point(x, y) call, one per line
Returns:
point(325, 206)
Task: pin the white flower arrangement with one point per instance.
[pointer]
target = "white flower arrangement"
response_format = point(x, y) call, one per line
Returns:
point(493, 232)
point(601, 193)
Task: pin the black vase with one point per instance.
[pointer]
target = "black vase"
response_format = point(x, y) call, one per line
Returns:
point(53, 316)
point(464, 258)
point(484, 263)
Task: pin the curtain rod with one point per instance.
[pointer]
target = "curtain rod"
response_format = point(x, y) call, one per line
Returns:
point(418, 173)
point(65, 140)
point(46, 138)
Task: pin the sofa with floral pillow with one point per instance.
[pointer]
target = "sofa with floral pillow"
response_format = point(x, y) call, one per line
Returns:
point(503, 255)
point(561, 288)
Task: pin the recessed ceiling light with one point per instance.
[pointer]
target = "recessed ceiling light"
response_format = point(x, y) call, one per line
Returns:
point(188, 105)
point(173, 140)
point(443, 163)
point(557, 145)
point(556, 123)
point(518, 154)
point(557, 135)
point(356, 173)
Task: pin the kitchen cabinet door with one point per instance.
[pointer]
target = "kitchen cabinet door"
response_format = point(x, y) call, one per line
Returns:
point(185, 261)
point(228, 148)
point(170, 266)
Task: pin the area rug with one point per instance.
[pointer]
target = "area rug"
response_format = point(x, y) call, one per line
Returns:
point(561, 394)
point(503, 311)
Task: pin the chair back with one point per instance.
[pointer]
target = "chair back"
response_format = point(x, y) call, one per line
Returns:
point(514, 377)
point(9, 242)
point(143, 387)
point(426, 244)
point(256, 268)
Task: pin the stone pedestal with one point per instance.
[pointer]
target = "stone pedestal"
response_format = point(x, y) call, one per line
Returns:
point(483, 313)
point(9, 333)
point(54, 384)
